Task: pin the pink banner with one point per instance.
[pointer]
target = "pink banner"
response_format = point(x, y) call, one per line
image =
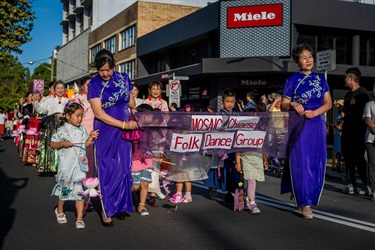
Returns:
point(200, 132)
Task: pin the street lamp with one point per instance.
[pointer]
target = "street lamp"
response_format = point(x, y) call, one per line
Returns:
point(50, 69)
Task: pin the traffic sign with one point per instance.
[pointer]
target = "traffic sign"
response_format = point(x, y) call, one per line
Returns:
point(174, 92)
point(174, 85)
point(326, 60)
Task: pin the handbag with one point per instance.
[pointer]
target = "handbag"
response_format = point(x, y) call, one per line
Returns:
point(131, 135)
point(83, 163)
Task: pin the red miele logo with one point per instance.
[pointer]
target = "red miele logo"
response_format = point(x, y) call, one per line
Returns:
point(255, 16)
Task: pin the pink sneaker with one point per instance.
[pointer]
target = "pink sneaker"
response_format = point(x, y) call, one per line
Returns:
point(176, 198)
point(187, 198)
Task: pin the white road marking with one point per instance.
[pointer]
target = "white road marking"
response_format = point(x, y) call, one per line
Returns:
point(364, 225)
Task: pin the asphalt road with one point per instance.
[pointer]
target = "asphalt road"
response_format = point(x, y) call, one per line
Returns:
point(27, 219)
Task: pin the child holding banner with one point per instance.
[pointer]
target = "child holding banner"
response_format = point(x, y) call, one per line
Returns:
point(226, 179)
point(155, 101)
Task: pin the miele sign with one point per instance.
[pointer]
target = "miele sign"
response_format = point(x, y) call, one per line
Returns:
point(255, 16)
point(253, 28)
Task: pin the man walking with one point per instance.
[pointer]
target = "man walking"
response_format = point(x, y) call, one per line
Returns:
point(369, 117)
point(354, 130)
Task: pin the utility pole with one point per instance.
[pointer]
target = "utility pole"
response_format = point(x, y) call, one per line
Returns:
point(52, 65)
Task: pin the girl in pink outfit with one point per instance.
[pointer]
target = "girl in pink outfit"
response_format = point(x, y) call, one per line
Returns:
point(142, 163)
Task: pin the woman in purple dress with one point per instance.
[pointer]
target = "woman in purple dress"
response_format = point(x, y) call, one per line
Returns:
point(109, 96)
point(307, 93)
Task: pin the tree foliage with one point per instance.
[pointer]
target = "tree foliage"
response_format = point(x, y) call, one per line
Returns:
point(14, 81)
point(16, 24)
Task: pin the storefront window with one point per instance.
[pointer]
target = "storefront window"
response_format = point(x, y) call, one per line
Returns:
point(367, 51)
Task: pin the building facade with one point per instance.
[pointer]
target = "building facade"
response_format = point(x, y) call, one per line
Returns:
point(81, 17)
point(191, 47)
point(120, 34)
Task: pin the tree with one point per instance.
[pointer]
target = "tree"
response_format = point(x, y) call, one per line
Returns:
point(16, 24)
point(14, 81)
point(43, 71)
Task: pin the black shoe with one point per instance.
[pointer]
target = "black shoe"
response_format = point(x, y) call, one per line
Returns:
point(107, 224)
point(120, 216)
point(212, 193)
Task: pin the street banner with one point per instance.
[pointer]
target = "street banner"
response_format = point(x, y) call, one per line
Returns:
point(272, 133)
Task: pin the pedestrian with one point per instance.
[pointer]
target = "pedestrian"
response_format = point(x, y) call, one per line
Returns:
point(142, 165)
point(173, 106)
point(252, 166)
point(87, 121)
point(226, 177)
point(110, 98)
point(250, 101)
point(157, 139)
point(307, 93)
point(3, 118)
point(53, 108)
point(8, 124)
point(135, 93)
point(27, 111)
point(369, 117)
point(354, 131)
point(70, 141)
point(156, 101)
point(184, 172)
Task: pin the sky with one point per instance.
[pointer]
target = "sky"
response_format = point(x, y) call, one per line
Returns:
point(46, 34)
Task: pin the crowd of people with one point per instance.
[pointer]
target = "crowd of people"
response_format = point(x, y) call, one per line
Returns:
point(94, 134)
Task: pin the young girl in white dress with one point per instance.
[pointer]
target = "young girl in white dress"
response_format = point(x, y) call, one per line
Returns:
point(71, 140)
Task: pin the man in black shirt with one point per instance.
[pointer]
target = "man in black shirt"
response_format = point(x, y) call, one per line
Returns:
point(354, 130)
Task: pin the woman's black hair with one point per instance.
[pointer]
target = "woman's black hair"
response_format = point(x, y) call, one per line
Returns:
point(298, 50)
point(102, 57)
point(57, 83)
point(28, 93)
point(155, 83)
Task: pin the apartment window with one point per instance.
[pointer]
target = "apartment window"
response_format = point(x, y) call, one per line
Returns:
point(94, 51)
point(110, 44)
point(320, 41)
point(128, 37)
point(128, 68)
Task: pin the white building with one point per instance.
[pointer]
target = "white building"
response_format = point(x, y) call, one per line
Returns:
point(79, 18)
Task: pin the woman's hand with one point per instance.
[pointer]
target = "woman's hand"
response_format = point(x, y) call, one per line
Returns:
point(298, 108)
point(22, 100)
point(309, 114)
point(131, 125)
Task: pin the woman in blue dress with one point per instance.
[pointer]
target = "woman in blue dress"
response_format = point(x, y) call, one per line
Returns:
point(307, 93)
point(110, 99)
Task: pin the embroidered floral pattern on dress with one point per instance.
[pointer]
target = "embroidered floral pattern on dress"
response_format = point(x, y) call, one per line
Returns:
point(120, 83)
point(303, 98)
